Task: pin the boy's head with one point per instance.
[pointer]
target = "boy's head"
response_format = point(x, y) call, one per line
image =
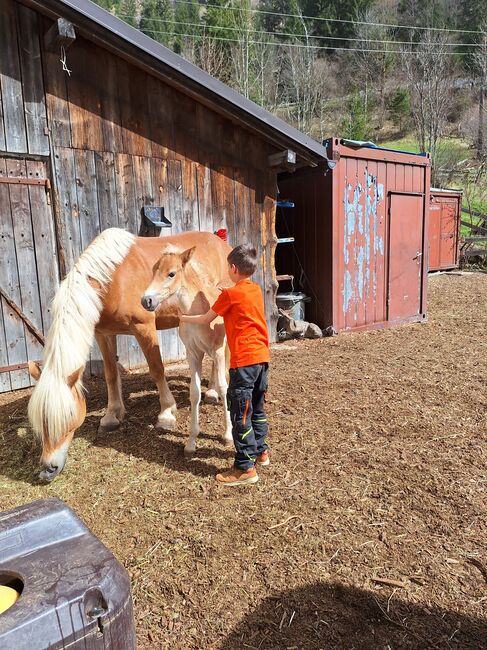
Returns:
point(242, 260)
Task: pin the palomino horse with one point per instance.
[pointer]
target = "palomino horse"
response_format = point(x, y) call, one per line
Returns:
point(180, 275)
point(100, 297)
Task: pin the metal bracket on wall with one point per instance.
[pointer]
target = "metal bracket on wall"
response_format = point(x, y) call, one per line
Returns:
point(60, 34)
point(155, 216)
point(23, 180)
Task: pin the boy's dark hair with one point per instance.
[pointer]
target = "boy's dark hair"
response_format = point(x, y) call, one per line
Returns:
point(245, 259)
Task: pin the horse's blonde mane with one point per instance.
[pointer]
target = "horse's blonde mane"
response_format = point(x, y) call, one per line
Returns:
point(76, 310)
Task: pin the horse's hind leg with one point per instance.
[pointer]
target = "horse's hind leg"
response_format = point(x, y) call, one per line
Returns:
point(115, 408)
point(146, 336)
point(195, 359)
point(211, 395)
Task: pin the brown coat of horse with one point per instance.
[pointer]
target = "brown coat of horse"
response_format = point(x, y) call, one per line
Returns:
point(101, 297)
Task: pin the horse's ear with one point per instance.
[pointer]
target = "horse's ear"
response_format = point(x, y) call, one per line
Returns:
point(74, 377)
point(34, 370)
point(187, 255)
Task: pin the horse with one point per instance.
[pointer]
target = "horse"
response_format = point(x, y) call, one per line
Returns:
point(99, 298)
point(181, 276)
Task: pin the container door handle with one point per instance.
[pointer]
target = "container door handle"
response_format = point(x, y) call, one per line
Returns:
point(418, 254)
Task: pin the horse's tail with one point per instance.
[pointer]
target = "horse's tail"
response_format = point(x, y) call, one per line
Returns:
point(76, 310)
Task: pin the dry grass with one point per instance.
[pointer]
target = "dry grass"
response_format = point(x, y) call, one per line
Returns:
point(378, 473)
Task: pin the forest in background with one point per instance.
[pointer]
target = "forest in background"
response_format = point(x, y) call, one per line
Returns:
point(410, 74)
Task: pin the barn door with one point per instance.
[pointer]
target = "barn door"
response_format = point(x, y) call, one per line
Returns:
point(28, 267)
point(405, 256)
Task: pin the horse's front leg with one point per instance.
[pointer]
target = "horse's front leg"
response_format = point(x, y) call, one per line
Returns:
point(115, 408)
point(195, 359)
point(222, 387)
point(211, 395)
point(146, 335)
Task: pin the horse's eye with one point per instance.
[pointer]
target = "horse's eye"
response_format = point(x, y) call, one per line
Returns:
point(171, 275)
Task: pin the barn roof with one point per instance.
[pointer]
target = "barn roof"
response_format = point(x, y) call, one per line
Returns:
point(102, 27)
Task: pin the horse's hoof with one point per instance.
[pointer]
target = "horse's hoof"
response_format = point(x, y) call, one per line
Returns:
point(189, 453)
point(211, 397)
point(106, 428)
point(167, 423)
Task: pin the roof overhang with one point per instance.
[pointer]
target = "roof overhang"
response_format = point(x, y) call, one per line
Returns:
point(108, 31)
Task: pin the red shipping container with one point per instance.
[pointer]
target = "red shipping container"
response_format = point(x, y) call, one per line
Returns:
point(444, 229)
point(360, 230)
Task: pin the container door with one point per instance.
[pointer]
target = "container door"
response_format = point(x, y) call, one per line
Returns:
point(434, 228)
point(405, 256)
point(448, 241)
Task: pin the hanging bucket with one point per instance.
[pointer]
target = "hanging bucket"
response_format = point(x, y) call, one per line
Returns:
point(292, 303)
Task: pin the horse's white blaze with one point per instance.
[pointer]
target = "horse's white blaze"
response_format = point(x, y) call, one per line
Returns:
point(76, 310)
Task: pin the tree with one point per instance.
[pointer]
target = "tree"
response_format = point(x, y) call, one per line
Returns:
point(428, 13)
point(283, 17)
point(219, 22)
point(346, 10)
point(480, 72)
point(399, 107)
point(186, 21)
point(157, 20)
point(242, 51)
point(127, 11)
point(429, 66)
point(374, 62)
point(356, 124)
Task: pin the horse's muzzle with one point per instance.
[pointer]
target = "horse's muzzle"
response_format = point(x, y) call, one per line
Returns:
point(149, 302)
point(50, 471)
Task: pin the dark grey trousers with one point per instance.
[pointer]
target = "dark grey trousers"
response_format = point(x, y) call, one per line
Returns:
point(246, 395)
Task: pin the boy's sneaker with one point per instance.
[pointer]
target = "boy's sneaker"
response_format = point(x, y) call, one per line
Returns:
point(236, 476)
point(263, 459)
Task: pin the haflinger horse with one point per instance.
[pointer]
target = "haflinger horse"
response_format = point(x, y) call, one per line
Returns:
point(100, 298)
point(182, 276)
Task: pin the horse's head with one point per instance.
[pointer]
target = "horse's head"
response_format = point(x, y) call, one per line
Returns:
point(167, 278)
point(56, 409)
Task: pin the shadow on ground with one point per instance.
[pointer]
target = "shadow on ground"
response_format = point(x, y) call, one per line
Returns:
point(326, 616)
point(19, 459)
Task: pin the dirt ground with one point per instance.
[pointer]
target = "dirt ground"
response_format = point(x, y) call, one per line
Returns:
point(379, 471)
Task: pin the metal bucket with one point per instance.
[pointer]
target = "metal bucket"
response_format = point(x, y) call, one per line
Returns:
point(292, 303)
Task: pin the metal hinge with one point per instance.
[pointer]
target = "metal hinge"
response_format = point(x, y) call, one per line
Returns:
point(23, 180)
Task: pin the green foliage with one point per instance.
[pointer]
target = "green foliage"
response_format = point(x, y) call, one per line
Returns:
point(156, 20)
point(278, 21)
point(341, 9)
point(106, 4)
point(186, 21)
point(127, 11)
point(356, 123)
point(399, 107)
point(427, 13)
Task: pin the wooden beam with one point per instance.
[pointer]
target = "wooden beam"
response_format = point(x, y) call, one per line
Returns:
point(33, 329)
point(60, 34)
point(283, 160)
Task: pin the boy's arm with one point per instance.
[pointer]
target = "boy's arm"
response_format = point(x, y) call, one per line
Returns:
point(198, 319)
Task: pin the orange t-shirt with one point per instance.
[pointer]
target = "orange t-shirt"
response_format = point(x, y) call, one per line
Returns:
point(242, 308)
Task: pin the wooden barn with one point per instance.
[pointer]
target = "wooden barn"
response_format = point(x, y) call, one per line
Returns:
point(98, 124)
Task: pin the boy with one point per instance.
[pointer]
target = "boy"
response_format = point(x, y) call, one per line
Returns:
point(242, 308)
